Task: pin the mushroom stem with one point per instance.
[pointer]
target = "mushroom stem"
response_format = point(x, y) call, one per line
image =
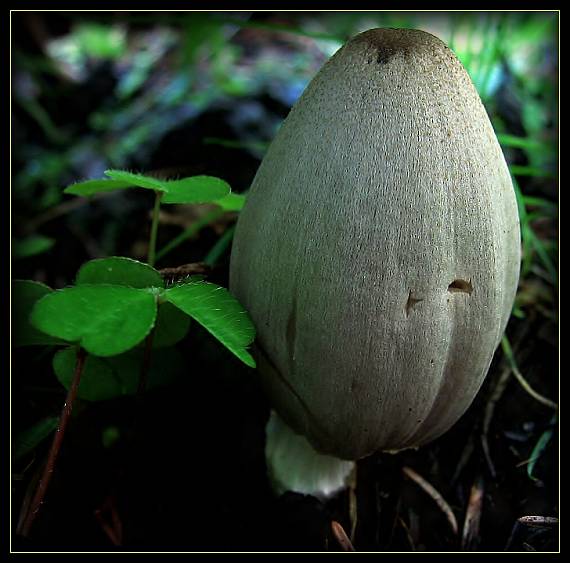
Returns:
point(294, 465)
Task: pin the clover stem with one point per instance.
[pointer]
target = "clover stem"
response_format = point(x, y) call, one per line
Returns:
point(189, 232)
point(49, 468)
point(154, 228)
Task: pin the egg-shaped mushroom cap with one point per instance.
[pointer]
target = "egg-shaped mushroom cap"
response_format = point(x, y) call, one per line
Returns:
point(378, 252)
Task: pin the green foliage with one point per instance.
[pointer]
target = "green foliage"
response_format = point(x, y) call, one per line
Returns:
point(28, 440)
point(171, 326)
point(105, 319)
point(545, 205)
point(258, 146)
point(25, 294)
point(285, 29)
point(539, 448)
point(137, 180)
point(220, 247)
point(196, 189)
point(217, 311)
point(110, 436)
point(117, 376)
point(532, 245)
point(537, 452)
point(92, 187)
point(531, 171)
point(99, 41)
point(200, 31)
point(507, 140)
point(118, 270)
point(167, 364)
point(98, 380)
point(115, 305)
point(231, 202)
point(31, 246)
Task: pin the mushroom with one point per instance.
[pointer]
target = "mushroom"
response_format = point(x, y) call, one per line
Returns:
point(378, 255)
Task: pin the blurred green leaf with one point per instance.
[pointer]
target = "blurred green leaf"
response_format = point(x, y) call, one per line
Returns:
point(529, 239)
point(92, 187)
point(200, 31)
point(137, 180)
point(100, 41)
point(522, 142)
point(25, 294)
point(98, 380)
point(530, 171)
point(118, 270)
point(220, 247)
point(195, 189)
point(542, 253)
point(117, 376)
point(531, 29)
point(518, 313)
point(28, 440)
point(105, 319)
point(534, 115)
point(31, 246)
point(136, 76)
point(284, 29)
point(231, 202)
point(540, 203)
point(166, 365)
point(217, 311)
point(538, 449)
point(260, 146)
point(171, 326)
point(110, 436)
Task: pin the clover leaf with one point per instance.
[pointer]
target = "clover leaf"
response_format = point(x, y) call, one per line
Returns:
point(117, 270)
point(195, 189)
point(25, 294)
point(219, 312)
point(105, 319)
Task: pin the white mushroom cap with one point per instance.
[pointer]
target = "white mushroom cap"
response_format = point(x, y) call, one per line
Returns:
point(378, 251)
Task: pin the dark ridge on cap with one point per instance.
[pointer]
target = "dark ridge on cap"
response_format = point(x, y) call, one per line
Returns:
point(390, 42)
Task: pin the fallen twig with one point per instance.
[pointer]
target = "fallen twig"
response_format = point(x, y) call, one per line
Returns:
point(470, 536)
point(408, 533)
point(352, 503)
point(530, 522)
point(114, 528)
point(341, 537)
point(179, 272)
point(434, 494)
point(495, 397)
point(519, 377)
point(538, 521)
point(38, 498)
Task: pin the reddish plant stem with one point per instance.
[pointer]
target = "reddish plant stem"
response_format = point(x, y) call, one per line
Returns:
point(49, 468)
